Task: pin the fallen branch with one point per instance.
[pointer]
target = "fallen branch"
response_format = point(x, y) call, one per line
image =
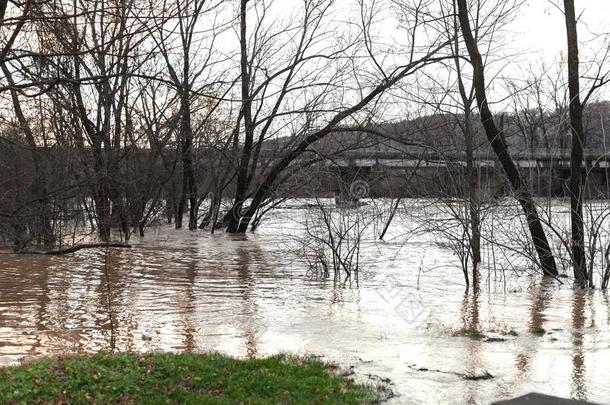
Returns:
point(74, 248)
point(472, 376)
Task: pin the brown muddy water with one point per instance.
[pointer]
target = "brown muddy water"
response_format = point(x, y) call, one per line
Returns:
point(249, 296)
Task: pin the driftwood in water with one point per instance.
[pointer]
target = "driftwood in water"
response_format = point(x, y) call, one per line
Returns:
point(472, 376)
point(74, 248)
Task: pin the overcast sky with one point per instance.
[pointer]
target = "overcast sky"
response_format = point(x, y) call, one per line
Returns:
point(542, 25)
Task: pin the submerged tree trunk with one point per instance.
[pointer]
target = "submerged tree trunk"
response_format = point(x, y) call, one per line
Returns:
point(189, 188)
point(101, 196)
point(236, 224)
point(576, 155)
point(390, 218)
point(472, 175)
point(473, 197)
point(500, 148)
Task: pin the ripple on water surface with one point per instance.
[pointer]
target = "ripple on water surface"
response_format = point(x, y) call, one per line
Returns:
point(250, 296)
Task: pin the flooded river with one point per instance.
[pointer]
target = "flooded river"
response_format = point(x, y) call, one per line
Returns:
point(250, 296)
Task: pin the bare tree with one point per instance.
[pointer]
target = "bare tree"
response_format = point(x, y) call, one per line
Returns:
point(576, 156)
point(190, 63)
point(307, 76)
point(498, 143)
point(39, 189)
point(99, 41)
point(332, 241)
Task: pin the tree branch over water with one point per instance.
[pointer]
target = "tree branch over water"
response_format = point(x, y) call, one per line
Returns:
point(75, 248)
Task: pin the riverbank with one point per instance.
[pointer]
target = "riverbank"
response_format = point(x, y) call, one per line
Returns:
point(179, 378)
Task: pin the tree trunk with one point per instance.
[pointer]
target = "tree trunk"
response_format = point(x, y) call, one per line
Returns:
point(102, 213)
point(189, 188)
point(500, 148)
point(188, 193)
point(101, 195)
point(473, 197)
point(576, 156)
point(236, 224)
point(472, 178)
point(390, 218)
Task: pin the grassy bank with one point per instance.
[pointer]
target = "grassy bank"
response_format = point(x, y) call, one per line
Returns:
point(186, 378)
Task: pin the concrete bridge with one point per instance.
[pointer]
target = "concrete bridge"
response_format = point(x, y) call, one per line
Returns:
point(436, 173)
point(525, 160)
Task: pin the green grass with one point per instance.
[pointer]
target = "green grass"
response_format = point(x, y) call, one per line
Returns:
point(471, 333)
point(538, 330)
point(162, 378)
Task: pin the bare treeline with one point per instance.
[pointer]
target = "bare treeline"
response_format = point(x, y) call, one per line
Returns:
point(120, 113)
point(152, 106)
